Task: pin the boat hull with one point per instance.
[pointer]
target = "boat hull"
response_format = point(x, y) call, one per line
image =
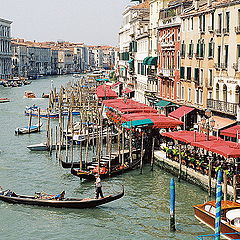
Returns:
point(65, 203)
point(209, 220)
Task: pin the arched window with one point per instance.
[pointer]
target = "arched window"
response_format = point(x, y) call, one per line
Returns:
point(224, 93)
point(217, 91)
point(237, 94)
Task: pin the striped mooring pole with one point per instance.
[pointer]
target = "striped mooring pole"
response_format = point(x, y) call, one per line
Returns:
point(172, 205)
point(218, 205)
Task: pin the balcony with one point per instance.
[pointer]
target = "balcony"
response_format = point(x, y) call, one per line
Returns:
point(167, 72)
point(222, 66)
point(218, 32)
point(237, 30)
point(210, 29)
point(221, 106)
point(236, 67)
point(202, 31)
point(169, 44)
point(226, 31)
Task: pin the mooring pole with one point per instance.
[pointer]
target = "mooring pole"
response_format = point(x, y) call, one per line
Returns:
point(218, 205)
point(172, 205)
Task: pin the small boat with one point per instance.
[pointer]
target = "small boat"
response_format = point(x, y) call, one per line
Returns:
point(4, 100)
point(45, 95)
point(31, 129)
point(29, 94)
point(58, 201)
point(230, 217)
point(43, 147)
point(104, 171)
point(33, 110)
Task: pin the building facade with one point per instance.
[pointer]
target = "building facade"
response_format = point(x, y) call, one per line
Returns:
point(5, 49)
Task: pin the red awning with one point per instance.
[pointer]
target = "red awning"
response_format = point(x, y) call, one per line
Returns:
point(128, 106)
point(229, 150)
point(116, 84)
point(160, 121)
point(127, 90)
point(180, 112)
point(188, 136)
point(231, 132)
point(104, 90)
point(208, 144)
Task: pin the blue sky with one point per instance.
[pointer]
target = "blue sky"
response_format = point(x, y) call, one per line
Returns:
point(88, 21)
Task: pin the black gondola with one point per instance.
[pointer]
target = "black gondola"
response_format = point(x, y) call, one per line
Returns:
point(11, 197)
point(117, 170)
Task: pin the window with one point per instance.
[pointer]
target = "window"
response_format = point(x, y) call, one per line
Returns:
point(210, 96)
point(183, 48)
point(220, 22)
point(210, 77)
point(227, 21)
point(226, 56)
point(189, 94)
point(189, 73)
point(211, 48)
point(196, 75)
point(219, 55)
point(224, 93)
point(200, 96)
point(201, 77)
point(212, 20)
point(238, 52)
point(178, 60)
point(182, 72)
point(183, 25)
point(190, 52)
point(238, 17)
point(217, 91)
point(202, 23)
point(191, 23)
point(182, 92)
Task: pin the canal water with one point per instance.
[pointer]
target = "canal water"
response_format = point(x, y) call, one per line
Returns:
point(143, 213)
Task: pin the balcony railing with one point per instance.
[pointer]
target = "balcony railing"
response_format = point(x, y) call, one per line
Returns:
point(237, 29)
point(226, 31)
point(167, 72)
point(167, 44)
point(219, 66)
point(218, 32)
point(221, 106)
point(236, 67)
point(210, 28)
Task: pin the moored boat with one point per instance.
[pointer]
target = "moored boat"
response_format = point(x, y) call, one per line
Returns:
point(27, 130)
point(29, 94)
point(4, 100)
point(58, 201)
point(44, 147)
point(230, 217)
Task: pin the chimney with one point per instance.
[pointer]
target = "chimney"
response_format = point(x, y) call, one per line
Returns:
point(209, 3)
point(196, 4)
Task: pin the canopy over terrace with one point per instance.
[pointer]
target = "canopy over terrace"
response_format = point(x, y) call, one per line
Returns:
point(225, 148)
point(231, 132)
point(160, 121)
point(128, 106)
point(105, 91)
point(188, 136)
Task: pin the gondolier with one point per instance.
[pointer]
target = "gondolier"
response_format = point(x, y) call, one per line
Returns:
point(98, 185)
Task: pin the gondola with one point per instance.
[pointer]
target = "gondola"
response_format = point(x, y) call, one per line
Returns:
point(53, 201)
point(104, 173)
point(73, 164)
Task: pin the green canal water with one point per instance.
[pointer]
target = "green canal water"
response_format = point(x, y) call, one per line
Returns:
point(143, 213)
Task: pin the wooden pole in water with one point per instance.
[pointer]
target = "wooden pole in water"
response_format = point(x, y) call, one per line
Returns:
point(130, 146)
point(152, 156)
point(66, 155)
point(39, 123)
point(51, 139)
point(224, 186)
point(56, 141)
point(235, 188)
point(218, 206)
point(141, 160)
point(119, 147)
point(123, 145)
point(30, 121)
point(172, 206)
point(210, 177)
point(180, 163)
point(110, 155)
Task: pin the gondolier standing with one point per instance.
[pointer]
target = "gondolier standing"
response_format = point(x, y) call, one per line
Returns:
point(98, 185)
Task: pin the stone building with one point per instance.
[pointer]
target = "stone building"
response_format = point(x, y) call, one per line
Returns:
point(5, 49)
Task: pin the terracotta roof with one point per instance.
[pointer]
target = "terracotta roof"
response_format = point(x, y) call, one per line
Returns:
point(145, 4)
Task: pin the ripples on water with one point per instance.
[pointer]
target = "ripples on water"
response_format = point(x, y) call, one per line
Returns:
point(143, 213)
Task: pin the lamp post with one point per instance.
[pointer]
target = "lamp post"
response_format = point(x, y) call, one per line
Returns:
point(207, 123)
